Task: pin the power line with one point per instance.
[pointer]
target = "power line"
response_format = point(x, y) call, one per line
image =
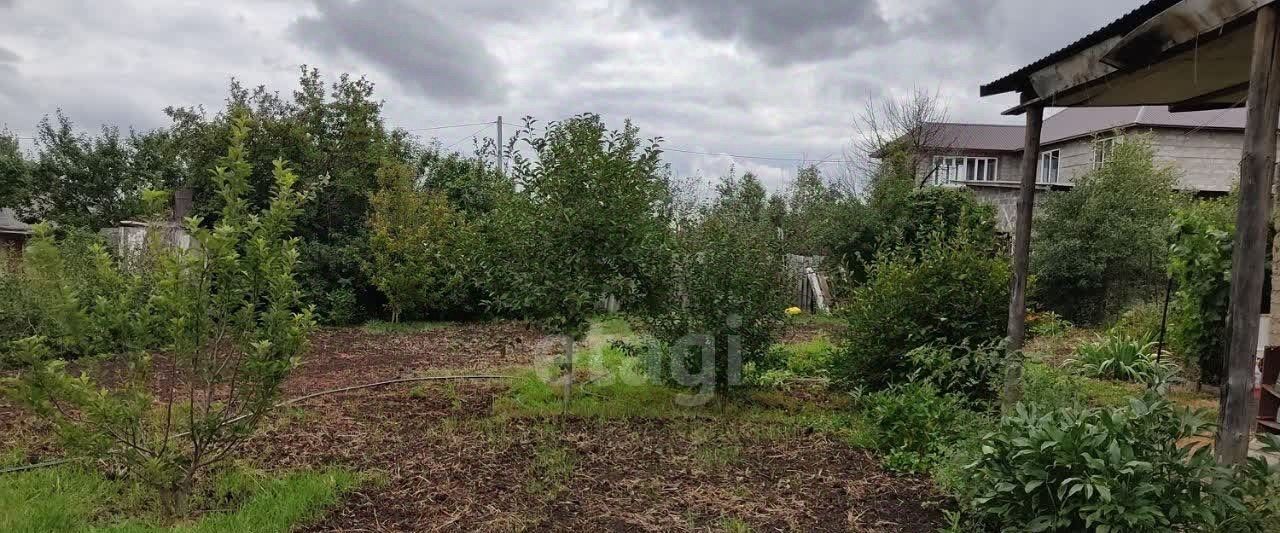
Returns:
point(472, 136)
point(453, 126)
point(761, 157)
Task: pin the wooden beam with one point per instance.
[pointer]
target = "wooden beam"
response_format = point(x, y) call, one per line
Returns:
point(1021, 254)
point(1211, 100)
point(1257, 166)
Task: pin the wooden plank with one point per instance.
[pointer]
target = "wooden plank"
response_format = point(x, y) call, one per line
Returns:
point(1021, 252)
point(1257, 166)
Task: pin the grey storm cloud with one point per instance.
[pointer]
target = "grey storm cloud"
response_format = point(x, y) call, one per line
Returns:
point(7, 55)
point(419, 49)
point(782, 32)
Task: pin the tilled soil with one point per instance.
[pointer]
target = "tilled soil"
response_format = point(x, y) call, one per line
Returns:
point(446, 463)
point(440, 458)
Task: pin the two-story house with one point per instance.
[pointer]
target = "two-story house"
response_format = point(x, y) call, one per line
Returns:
point(1205, 146)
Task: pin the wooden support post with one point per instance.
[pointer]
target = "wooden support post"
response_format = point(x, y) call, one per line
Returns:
point(1257, 166)
point(1021, 255)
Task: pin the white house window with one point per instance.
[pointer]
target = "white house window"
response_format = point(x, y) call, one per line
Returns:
point(1049, 166)
point(947, 169)
point(1102, 150)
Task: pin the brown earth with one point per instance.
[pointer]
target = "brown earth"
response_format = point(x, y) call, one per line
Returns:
point(441, 457)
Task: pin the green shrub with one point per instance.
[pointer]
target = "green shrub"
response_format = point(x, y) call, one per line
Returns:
point(1047, 324)
point(952, 293)
point(1101, 245)
point(1121, 358)
point(915, 424)
point(970, 372)
point(1118, 469)
point(228, 314)
point(729, 306)
point(1200, 263)
point(1140, 321)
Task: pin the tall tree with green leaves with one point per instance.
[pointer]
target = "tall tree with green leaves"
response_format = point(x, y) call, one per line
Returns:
point(1102, 245)
point(83, 181)
point(589, 221)
point(15, 171)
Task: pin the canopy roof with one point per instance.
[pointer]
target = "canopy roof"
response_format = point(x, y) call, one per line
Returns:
point(1185, 54)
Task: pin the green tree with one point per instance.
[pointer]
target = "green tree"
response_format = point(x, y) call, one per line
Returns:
point(809, 206)
point(15, 171)
point(82, 181)
point(589, 221)
point(727, 305)
point(337, 140)
point(416, 242)
point(228, 316)
point(1102, 245)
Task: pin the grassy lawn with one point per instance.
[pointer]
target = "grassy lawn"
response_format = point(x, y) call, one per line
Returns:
point(74, 498)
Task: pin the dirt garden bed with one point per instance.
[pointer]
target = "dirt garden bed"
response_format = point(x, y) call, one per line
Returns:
point(443, 459)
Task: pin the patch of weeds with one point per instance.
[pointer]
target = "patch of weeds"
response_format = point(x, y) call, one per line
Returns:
point(713, 455)
point(531, 396)
point(735, 525)
point(418, 392)
point(613, 325)
point(552, 467)
point(379, 327)
point(74, 498)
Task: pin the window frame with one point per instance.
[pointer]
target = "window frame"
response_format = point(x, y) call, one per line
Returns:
point(1042, 173)
point(1102, 148)
point(959, 168)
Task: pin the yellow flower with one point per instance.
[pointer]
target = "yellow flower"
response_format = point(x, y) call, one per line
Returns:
point(793, 311)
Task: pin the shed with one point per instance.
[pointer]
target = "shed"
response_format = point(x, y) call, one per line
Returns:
point(1187, 55)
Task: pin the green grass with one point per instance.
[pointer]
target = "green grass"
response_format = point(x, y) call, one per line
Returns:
point(613, 325)
point(826, 320)
point(73, 498)
point(379, 327)
point(810, 358)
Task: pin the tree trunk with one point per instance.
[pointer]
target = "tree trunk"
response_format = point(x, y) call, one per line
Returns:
point(568, 375)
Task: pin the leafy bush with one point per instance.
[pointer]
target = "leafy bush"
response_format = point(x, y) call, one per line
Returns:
point(898, 216)
point(417, 245)
point(69, 291)
point(228, 316)
point(952, 293)
point(1119, 469)
point(915, 424)
point(1101, 245)
point(1140, 321)
point(1200, 263)
point(1121, 358)
point(969, 372)
point(729, 305)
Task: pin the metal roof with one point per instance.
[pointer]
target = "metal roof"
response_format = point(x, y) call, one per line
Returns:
point(1076, 122)
point(1118, 27)
point(9, 222)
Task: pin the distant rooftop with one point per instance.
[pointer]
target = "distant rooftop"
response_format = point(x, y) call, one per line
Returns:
point(1076, 122)
point(9, 222)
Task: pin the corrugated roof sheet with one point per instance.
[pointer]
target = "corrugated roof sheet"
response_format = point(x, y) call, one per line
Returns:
point(1077, 122)
point(1118, 27)
point(977, 136)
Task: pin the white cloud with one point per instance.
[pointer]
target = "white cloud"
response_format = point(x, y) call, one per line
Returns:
point(747, 77)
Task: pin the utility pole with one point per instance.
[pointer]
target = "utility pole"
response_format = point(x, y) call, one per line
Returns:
point(501, 169)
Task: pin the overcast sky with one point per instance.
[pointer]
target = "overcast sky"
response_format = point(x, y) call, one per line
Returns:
point(750, 77)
